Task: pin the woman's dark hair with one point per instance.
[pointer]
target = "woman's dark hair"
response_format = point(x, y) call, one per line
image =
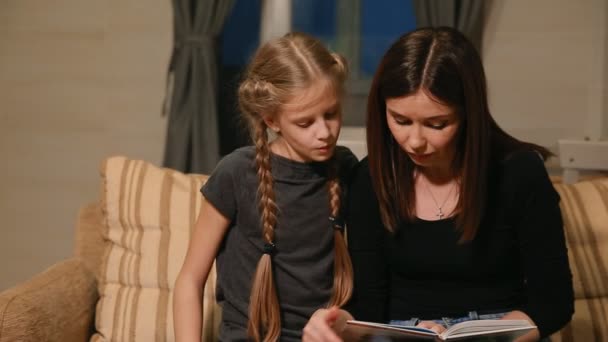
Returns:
point(444, 64)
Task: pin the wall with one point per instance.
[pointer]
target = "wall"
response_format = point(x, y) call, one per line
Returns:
point(604, 92)
point(544, 61)
point(547, 67)
point(79, 80)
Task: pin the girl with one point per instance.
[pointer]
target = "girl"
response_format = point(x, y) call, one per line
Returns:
point(451, 218)
point(271, 211)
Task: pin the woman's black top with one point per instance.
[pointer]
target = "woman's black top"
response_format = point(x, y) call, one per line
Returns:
point(517, 261)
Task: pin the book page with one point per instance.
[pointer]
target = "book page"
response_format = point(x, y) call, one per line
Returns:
point(487, 327)
point(368, 331)
point(480, 330)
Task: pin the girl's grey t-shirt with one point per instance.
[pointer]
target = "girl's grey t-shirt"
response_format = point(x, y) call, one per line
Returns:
point(303, 263)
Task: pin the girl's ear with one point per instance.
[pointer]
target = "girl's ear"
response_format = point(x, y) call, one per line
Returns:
point(272, 123)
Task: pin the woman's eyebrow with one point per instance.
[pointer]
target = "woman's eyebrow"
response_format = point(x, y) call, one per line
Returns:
point(435, 117)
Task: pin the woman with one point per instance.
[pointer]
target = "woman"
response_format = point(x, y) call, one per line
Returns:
point(450, 218)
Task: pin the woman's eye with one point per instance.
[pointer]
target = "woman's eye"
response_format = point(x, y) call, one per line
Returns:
point(400, 121)
point(330, 115)
point(438, 125)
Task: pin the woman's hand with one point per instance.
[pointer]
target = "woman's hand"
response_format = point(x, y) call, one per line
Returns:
point(326, 325)
point(436, 327)
point(531, 336)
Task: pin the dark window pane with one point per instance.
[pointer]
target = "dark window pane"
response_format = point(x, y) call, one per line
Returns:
point(315, 17)
point(241, 33)
point(382, 22)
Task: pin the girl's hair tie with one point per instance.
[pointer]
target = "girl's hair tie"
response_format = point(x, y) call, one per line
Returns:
point(337, 223)
point(270, 248)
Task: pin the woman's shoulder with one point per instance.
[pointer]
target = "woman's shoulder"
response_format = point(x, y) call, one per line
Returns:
point(523, 160)
point(362, 167)
point(361, 179)
point(523, 168)
point(345, 157)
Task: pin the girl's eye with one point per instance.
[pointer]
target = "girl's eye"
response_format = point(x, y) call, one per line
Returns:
point(303, 124)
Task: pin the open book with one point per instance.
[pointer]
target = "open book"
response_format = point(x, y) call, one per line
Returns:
point(503, 330)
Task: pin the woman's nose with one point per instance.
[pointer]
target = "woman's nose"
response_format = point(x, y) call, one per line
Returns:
point(416, 140)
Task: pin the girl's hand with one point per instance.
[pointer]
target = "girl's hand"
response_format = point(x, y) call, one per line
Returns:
point(326, 325)
point(436, 327)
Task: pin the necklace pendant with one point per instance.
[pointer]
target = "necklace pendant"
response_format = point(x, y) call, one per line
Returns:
point(440, 214)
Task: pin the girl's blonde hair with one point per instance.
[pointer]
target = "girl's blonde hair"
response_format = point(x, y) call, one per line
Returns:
point(280, 68)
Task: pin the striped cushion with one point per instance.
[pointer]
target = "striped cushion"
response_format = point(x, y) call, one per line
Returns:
point(149, 213)
point(585, 212)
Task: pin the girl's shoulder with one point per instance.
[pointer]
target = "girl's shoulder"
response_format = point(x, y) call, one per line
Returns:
point(236, 161)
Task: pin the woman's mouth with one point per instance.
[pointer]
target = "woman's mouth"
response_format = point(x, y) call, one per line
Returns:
point(419, 157)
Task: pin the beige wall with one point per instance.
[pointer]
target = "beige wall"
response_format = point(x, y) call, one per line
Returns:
point(79, 80)
point(544, 61)
point(604, 90)
point(83, 79)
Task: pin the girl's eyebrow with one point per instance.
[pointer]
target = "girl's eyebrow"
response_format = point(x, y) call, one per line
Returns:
point(435, 117)
point(308, 115)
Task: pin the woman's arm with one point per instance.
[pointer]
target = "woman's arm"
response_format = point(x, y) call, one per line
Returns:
point(366, 244)
point(531, 336)
point(543, 252)
point(209, 232)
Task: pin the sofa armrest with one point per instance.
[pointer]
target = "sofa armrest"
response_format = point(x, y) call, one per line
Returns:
point(56, 305)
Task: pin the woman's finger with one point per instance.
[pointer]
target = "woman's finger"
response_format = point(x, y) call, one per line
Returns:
point(436, 327)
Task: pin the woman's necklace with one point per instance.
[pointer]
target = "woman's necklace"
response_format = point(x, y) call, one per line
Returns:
point(440, 213)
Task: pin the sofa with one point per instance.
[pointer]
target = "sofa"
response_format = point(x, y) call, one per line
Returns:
point(129, 246)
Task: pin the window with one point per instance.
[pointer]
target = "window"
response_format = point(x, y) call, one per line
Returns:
point(361, 30)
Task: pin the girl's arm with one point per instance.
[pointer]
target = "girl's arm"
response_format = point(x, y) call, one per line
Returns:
point(209, 231)
point(327, 325)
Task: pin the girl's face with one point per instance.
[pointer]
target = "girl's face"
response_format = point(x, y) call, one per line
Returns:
point(425, 130)
point(308, 125)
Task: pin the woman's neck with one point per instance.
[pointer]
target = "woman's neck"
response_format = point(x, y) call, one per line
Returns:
point(436, 176)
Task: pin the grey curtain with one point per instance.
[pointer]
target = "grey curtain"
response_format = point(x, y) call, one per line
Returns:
point(464, 15)
point(192, 143)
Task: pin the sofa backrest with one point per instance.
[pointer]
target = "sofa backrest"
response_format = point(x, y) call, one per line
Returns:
point(148, 214)
point(584, 209)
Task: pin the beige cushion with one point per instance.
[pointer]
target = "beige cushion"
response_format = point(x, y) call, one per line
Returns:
point(585, 212)
point(149, 215)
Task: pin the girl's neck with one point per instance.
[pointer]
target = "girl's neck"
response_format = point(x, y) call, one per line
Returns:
point(278, 147)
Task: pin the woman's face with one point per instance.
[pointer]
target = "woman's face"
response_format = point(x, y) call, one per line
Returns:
point(425, 129)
